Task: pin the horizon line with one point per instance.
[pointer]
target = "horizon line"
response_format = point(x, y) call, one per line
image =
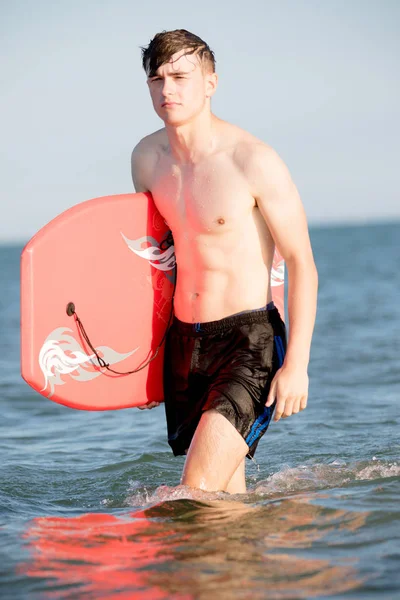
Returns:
point(317, 224)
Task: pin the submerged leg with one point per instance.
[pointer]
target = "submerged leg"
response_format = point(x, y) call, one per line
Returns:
point(237, 483)
point(215, 456)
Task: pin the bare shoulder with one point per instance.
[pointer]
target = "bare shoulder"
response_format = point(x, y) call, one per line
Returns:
point(261, 166)
point(267, 176)
point(144, 159)
point(150, 142)
point(250, 154)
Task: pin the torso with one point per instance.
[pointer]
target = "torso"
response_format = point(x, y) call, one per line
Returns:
point(223, 247)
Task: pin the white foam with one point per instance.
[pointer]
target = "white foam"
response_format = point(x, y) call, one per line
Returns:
point(379, 471)
point(325, 475)
point(165, 493)
point(288, 480)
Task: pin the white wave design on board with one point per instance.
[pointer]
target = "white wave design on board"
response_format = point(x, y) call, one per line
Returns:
point(61, 354)
point(163, 260)
point(278, 274)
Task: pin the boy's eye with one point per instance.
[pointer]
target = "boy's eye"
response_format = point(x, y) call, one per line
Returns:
point(159, 78)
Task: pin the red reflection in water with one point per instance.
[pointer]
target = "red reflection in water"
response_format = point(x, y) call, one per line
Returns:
point(188, 549)
point(100, 554)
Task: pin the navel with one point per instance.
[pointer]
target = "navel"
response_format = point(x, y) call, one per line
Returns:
point(221, 221)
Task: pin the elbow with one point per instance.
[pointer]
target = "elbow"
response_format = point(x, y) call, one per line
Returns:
point(314, 275)
point(312, 268)
point(296, 264)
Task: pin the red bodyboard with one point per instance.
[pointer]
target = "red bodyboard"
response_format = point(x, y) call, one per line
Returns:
point(103, 256)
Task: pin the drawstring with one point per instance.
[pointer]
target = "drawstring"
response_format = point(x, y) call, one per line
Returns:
point(164, 245)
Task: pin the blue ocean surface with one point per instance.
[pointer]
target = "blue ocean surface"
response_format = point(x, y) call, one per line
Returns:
point(90, 502)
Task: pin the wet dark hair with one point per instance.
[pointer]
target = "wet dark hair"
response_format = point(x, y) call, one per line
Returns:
point(165, 44)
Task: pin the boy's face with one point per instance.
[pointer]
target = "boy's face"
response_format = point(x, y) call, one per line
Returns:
point(180, 88)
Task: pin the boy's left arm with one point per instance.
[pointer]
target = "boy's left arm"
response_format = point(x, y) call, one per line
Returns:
point(279, 202)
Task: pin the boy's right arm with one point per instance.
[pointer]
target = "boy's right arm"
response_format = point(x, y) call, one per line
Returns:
point(142, 166)
point(140, 173)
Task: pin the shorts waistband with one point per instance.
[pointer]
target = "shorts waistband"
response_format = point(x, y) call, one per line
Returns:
point(262, 315)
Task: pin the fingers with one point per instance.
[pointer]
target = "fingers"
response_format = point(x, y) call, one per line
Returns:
point(299, 404)
point(150, 405)
point(272, 393)
point(296, 406)
point(278, 412)
point(289, 389)
point(286, 407)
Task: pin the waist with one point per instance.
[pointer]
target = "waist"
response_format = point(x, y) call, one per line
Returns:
point(268, 313)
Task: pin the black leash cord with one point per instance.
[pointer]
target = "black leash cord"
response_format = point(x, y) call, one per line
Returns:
point(164, 245)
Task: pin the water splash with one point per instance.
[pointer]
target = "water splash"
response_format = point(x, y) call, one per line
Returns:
point(319, 476)
point(379, 471)
point(287, 481)
point(165, 493)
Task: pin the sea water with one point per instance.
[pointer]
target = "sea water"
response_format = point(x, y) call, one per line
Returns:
point(91, 506)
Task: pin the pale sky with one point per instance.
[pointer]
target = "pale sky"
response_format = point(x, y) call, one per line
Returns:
point(318, 80)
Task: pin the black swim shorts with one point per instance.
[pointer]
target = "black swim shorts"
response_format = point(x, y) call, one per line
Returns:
point(227, 365)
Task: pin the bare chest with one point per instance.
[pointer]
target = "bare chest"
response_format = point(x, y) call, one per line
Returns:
point(202, 198)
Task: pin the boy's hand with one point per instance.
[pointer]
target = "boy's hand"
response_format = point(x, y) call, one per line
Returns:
point(290, 388)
